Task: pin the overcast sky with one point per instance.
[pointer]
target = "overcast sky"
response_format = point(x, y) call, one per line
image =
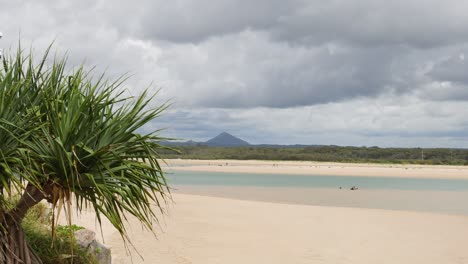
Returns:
point(350, 72)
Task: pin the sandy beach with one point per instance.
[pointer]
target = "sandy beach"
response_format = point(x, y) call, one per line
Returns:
point(207, 230)
point(319, 168)
point(202, 228)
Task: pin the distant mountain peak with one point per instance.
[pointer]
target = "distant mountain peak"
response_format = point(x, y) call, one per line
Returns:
point(225, 139)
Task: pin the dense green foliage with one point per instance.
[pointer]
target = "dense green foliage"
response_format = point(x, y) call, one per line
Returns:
point(326, 153)
point(36, 226)
point(74, 139)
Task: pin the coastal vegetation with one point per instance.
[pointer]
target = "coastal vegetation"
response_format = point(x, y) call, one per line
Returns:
point(72, 138)
point(36, 225)
point(432, 156)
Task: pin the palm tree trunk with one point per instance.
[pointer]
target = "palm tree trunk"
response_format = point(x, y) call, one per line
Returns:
point(14, 248)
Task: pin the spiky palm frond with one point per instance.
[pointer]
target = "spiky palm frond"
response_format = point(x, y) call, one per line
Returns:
point(91, 147)
point(19, 119)
point(80, 135)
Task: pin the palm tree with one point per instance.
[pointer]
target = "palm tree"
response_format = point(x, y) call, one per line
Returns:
point(76, 140)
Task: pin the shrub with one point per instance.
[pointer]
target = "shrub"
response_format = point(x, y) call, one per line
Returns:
point(36, 225)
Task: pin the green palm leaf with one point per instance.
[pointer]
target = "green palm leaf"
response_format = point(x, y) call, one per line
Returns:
point(78, 135)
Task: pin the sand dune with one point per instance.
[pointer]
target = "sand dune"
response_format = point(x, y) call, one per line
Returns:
point(209, 230)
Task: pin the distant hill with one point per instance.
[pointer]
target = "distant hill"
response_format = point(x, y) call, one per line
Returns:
point(226, 140)
point(222, 140)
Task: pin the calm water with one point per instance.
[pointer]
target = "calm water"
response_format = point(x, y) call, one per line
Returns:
point(313, 181)
point(410, 194)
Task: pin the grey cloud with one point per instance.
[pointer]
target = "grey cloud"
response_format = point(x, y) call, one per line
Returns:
point(457, 134)
point(236, 63)
point(444, 91)
point(453, 69)
point(260, 73)
point(447, 77)
point(416, 23)
point(202, 124)
point(383, 121)
point(257, 68)
point(194, 21)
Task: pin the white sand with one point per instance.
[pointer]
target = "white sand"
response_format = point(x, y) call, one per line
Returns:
point(319, 168)
point(209, 230)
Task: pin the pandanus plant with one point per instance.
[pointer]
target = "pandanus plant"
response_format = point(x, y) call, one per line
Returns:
point(69, 137)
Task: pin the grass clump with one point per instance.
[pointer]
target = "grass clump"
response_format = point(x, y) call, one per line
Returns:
point(36, 226)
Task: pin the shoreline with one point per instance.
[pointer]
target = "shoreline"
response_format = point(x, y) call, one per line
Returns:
point(209, 230)
point(255, 226)
point(318, 168)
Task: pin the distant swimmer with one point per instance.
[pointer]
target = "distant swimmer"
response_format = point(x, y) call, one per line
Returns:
point(354, 188)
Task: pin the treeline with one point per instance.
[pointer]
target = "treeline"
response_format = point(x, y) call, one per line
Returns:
point(435, 156)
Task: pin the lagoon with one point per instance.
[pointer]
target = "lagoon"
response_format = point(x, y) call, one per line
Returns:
point(409, 194)
point(314, 181)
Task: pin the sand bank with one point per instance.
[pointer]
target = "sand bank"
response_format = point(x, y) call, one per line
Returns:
point(444, 202)
point(319, 168)
point(208, 230)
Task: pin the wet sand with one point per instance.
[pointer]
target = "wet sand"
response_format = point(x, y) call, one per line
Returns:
point(446, 202)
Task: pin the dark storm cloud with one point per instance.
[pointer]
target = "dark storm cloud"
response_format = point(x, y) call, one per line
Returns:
point(449, 78)
point(375, 39)
point(186, 21)
point(418, 23)
point(317, 77)
point(194, 21)
point(323, 71)
point(258, 53)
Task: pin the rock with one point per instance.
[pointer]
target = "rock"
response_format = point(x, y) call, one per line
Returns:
point(101, 252)
point(87, 240)
point(84, 237)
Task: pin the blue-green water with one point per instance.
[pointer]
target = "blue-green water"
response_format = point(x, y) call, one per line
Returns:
point(313, 181)
point(391, 193)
